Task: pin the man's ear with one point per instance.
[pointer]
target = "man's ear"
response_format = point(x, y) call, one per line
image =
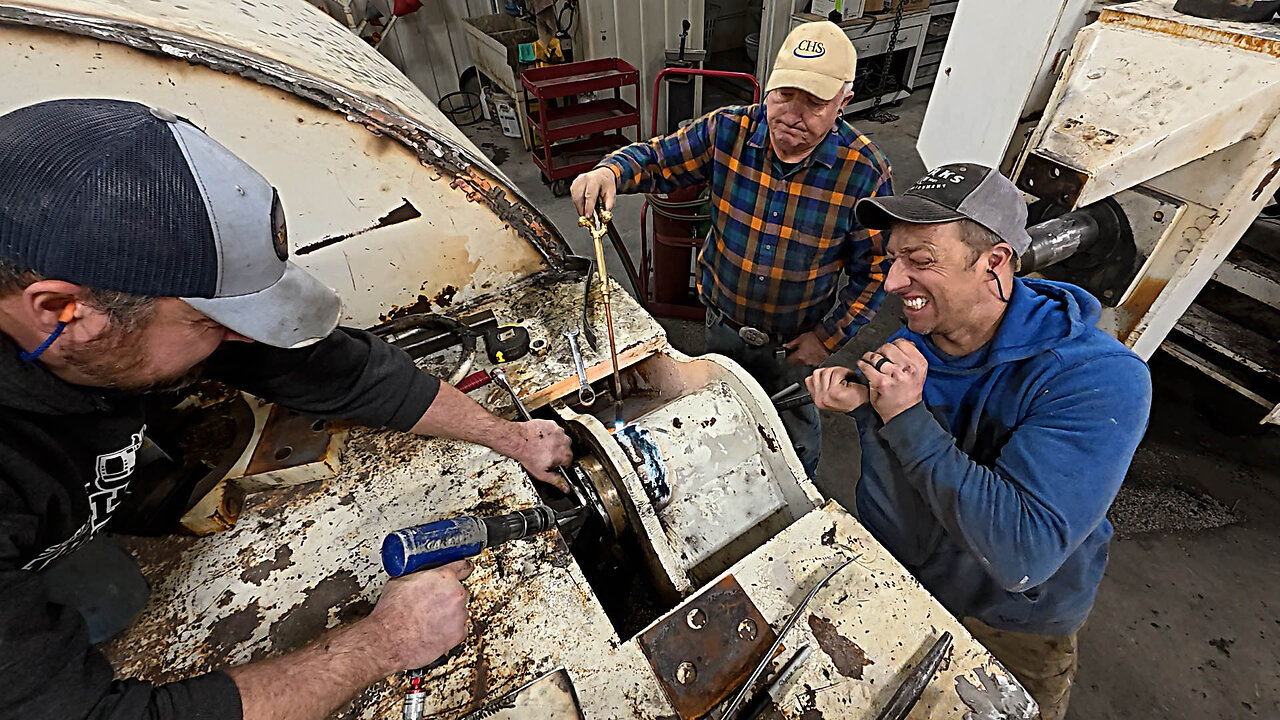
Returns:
point(1001, 256)
point(48, 302)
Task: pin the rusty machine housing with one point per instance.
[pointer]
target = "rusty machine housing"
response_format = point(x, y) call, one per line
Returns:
point(648, 609)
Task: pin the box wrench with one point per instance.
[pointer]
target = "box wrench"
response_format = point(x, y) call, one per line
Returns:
point(586, 395)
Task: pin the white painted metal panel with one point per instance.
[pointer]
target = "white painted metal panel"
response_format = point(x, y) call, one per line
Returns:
point(290, 39)
point(1181, 106)
point(1136, 104)
point(1001, 60)
point(334, 176)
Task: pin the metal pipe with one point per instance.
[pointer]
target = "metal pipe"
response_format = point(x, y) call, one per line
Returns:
point(1056, 240)
point(909, 692)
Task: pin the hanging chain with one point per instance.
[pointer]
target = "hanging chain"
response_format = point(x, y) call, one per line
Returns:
point(875, 113)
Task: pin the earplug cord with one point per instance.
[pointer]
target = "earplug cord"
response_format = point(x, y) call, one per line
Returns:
point(63, 318)
point(999, 287)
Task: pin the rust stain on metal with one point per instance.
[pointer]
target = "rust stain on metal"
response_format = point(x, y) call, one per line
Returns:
point(1139, 304)
point(423, 304)
point(1089, 133)
point(845, 654)
point(1193, 31)
point(217, 511)
point(480, 677)
point(808, 704)
point(260, 571)
point(228, 631)
point(769, 440)
point(1266, 179)
point(828, 536)
point(444, 298)
point(404, 213)
point(704, 649)
point(473, 193)
point(311, 617)
point(289, 439)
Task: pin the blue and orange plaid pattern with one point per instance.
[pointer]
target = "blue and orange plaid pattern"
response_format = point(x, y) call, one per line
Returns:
point(781, 235)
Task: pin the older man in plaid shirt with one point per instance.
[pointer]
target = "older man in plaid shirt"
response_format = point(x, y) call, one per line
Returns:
point(784, 175)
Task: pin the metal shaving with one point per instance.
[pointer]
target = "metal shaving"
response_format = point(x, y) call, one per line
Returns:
point(1142, 508)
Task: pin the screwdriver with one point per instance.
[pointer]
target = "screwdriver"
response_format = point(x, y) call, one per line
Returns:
point(422, 547)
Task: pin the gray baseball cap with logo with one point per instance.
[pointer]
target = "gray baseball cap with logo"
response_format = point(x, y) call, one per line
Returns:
point(959, 191)
point(115, 195)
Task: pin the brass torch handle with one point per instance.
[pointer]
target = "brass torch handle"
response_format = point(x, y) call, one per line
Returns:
point(598, 226)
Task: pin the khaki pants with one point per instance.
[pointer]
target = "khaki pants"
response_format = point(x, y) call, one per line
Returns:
point(1045, 665)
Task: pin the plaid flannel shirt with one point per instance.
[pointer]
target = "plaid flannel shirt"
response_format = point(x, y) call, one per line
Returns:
point(780, 236)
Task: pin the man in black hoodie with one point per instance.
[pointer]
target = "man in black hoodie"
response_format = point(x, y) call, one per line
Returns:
point(137, 253)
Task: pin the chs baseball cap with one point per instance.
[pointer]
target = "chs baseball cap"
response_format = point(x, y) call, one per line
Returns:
point(816, 57)
point(116, 195)
point(955, 192)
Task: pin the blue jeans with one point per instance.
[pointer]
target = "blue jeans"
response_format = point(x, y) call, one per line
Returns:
point(773, 373)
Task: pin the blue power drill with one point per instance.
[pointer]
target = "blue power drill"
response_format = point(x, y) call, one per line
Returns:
point(423, 547)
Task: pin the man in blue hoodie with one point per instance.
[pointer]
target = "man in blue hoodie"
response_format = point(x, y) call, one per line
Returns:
point(996, 427)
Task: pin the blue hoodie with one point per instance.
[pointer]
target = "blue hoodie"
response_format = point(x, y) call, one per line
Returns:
point(994, 491)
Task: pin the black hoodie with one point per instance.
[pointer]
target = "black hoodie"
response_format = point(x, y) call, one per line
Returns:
point(66, 456)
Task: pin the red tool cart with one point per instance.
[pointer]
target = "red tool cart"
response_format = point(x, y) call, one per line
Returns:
point(573, 133)
point(680, 221)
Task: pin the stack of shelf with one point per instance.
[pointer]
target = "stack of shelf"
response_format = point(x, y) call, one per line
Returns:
point(940, 16)
point(573, 133)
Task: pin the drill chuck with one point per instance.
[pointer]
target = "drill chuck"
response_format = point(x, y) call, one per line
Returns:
point(423, 547)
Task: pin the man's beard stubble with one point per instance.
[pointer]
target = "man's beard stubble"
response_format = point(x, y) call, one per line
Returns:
point(105, 360)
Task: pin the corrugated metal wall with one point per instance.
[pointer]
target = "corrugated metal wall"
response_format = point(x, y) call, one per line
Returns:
point(429, 46)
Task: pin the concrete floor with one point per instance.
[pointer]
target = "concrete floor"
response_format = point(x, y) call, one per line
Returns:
point(1186, 623)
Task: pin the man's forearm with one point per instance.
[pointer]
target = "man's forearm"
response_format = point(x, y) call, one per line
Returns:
point(666, 163)
point(539, 445)
point(311, 683)
point(454, 415)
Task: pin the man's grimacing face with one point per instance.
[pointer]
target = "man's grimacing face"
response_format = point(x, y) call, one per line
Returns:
point(934, 273)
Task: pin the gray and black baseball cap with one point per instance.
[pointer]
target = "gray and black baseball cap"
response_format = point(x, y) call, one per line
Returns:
point(116, 195)
point(955, 192)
